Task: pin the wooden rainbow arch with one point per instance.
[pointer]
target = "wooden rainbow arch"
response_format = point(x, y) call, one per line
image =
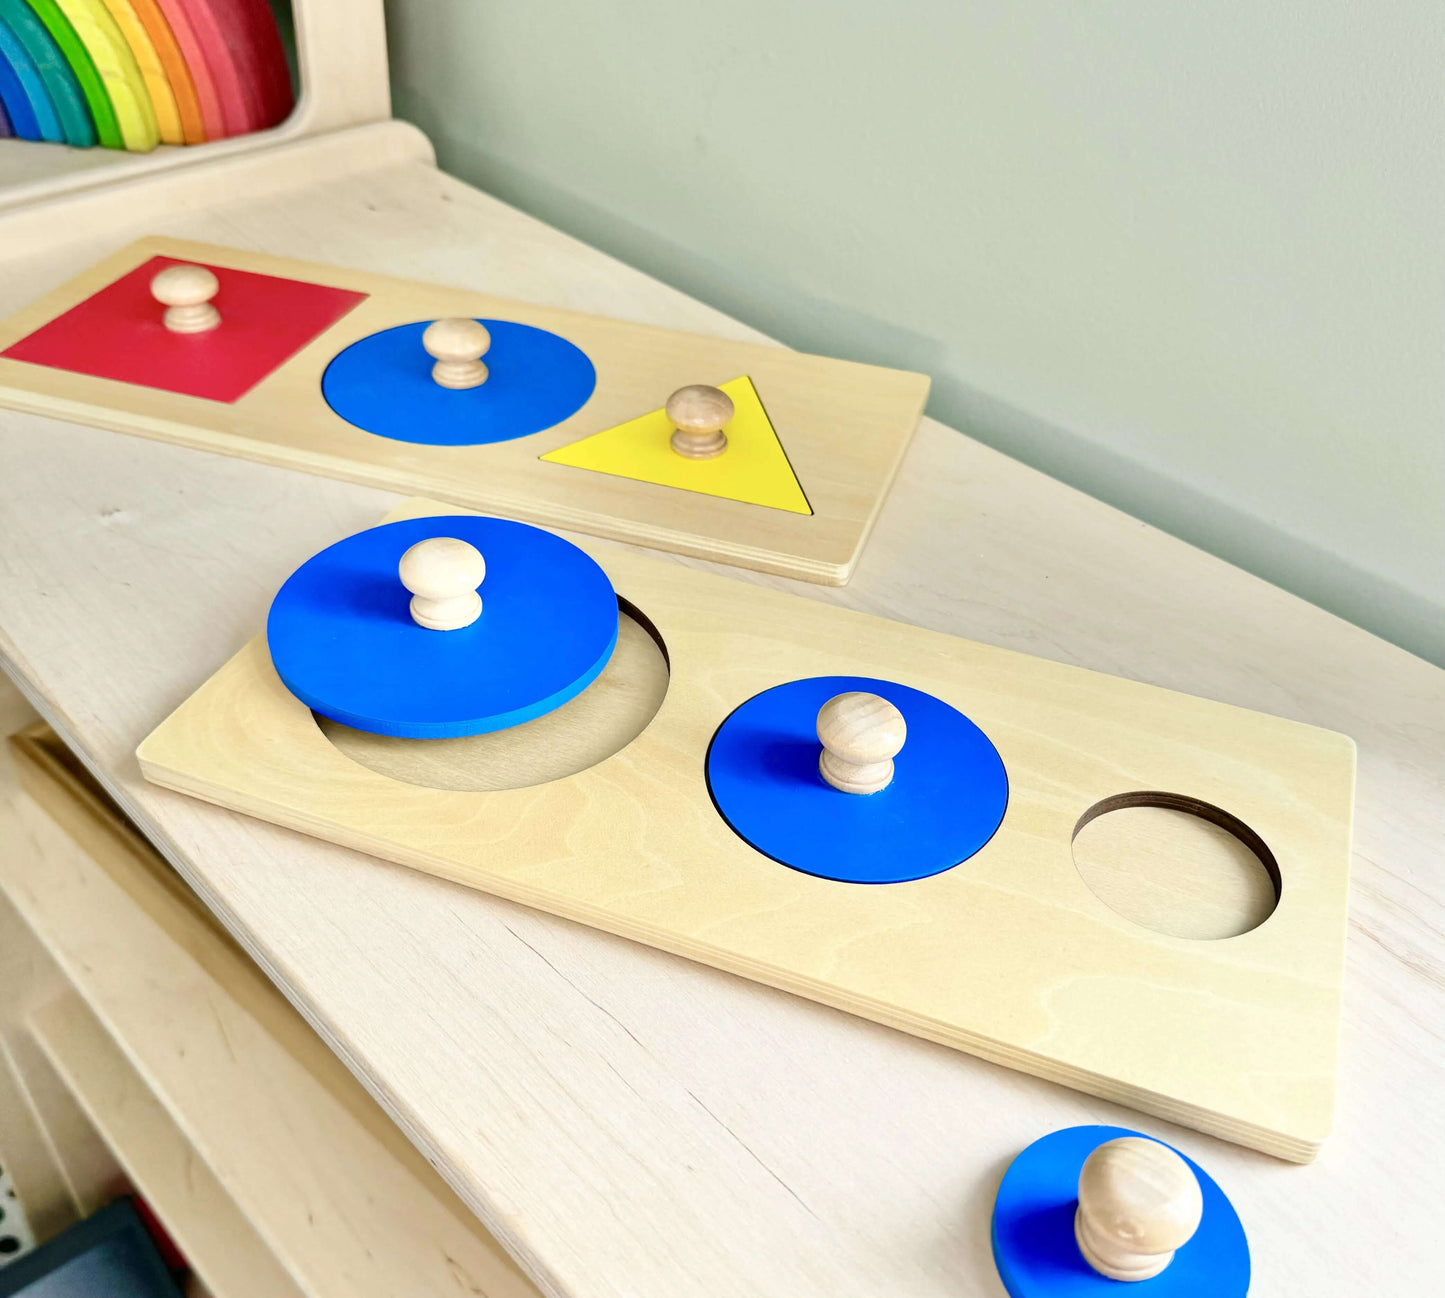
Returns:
point(132, 74)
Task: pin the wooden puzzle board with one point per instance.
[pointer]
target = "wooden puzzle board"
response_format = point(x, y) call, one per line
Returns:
point(844, 426)
point(1008, 956)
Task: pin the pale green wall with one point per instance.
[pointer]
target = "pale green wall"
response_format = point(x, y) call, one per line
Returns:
point(1189, 257)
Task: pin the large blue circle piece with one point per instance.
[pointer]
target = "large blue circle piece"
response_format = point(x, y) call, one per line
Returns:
point(947, 798)
point(1033, 1231)
point(343, 640)
point(383, 385)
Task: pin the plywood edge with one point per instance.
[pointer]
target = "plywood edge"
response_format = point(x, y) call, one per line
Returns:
point(206, 1225)
point(298, 785)
point(1297, 1149)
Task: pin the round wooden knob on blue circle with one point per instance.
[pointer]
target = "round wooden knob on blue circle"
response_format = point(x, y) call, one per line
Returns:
point(857, 779)
point(353, 642)
point(1094, 1212)
point(426, 382)
point(443, 573)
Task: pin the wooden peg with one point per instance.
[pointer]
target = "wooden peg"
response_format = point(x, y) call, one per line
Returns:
point(699, 413)
point(443, 574)
point(861, 735)
point(186, 292)
point(457, 345)
point(1138, 1202)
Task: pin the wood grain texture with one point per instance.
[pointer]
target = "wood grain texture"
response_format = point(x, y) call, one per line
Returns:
point(58, 1164)
point(1009, 955)
point(57, 1161)
point(607, 716)
point(183, 88)
point(159, 1161)
point(119, 71)
point(1174, 872)
point(156, 75)
point(634, 1125)
point(88, 77)
point(1138, 1203)
point(242, 48)
point(200, 1075)
point(177, 18)
point(845, 426)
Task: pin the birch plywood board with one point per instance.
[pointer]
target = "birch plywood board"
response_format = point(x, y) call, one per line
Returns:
point(843, 426)
point(1009, 955)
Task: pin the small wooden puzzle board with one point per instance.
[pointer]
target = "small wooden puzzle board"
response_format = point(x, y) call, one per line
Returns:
point(1009, 955)
point(844, 426)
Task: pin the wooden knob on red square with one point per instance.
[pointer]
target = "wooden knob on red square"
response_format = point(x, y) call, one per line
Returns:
point(186, 292)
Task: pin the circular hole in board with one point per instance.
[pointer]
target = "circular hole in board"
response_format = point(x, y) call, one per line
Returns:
point(1176, 865)
point(602, 720)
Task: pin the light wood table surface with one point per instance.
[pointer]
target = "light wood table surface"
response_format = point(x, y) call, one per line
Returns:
point(625, 1122)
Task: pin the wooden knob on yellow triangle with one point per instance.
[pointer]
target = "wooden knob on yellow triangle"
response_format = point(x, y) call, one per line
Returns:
point(861, 734)
point(699, 413)
point(457, 345)
point(186, 292)
point(1138, 1202)
point(443, 574)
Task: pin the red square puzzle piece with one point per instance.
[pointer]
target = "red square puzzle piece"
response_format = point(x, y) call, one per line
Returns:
point(117, 333)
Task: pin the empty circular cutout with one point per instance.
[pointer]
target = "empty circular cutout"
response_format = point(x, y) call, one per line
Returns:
point(1176, 865)
point(607, 716)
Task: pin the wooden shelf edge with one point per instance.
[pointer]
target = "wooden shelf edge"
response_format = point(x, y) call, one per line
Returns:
point(198, 1214)
point(317, 1171)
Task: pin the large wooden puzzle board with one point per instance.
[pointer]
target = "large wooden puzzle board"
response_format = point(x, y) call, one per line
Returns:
point(843, 426)
point(1009, 955)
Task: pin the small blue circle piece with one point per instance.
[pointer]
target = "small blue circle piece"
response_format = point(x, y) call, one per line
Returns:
point(1033, 1231)
point(948, 794)
point(343, 640)
point(383, 385)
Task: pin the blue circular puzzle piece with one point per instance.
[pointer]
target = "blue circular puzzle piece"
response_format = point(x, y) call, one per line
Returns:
point(343, 640)
point(1033, 1231)
point(948, 794)
point(383, 385)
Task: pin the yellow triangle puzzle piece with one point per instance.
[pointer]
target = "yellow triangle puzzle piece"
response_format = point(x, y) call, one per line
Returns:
point(754, 469)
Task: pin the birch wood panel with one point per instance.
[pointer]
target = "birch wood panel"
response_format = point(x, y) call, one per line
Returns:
point(1008, 955)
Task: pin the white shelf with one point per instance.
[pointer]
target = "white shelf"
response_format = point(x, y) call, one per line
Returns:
point(214, 1237)
point(224, 1107)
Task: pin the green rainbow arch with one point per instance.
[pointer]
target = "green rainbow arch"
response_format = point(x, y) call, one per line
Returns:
point(107, 129)
point(77, 127)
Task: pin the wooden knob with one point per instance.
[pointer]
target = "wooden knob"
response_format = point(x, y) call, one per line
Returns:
point(861, 735)
point(457, 345)
point(699, 413)
point(443, 574)
point(186, 293)
point(1138, 1202)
